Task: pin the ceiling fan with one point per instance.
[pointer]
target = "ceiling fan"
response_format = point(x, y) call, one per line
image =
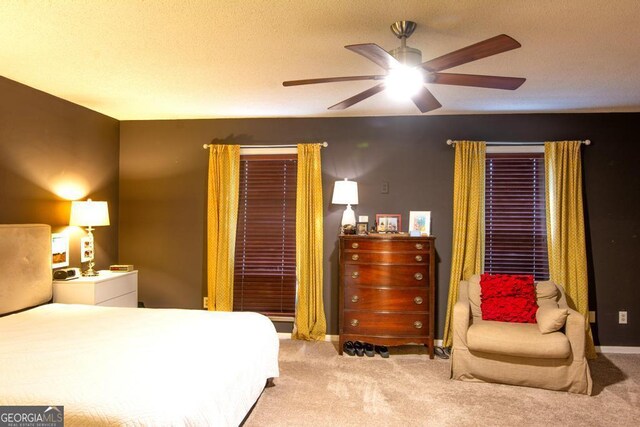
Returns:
point(407, 74)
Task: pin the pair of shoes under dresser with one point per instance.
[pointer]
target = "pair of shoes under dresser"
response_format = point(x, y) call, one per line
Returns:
point(387, 290)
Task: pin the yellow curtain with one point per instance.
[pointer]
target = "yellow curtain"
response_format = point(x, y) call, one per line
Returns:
point(310, 322)
point(222, 218)
point(467, 254)
point(565, 227)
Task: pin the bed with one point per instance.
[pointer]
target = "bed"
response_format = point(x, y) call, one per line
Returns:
point(123, 366)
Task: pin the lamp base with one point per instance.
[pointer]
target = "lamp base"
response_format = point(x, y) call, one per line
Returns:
point(349, 217)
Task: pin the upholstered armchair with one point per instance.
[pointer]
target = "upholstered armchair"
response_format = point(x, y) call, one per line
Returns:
point(548, 354)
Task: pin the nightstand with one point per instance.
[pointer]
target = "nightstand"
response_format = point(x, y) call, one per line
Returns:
point(108, 289)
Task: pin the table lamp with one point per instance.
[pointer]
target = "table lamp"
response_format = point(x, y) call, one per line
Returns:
point(346, 193)
point(89, 214)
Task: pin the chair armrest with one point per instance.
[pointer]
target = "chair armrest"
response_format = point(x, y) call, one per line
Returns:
point(461, 316)
point(575, 331)
point(574, 328)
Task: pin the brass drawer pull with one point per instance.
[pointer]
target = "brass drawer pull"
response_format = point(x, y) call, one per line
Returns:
point(355, 245)
point(419, 246)
point(418, 258)
point(355, 322)
point(417, 324)
point(355, 298)
point(418, 276)
point(418, 300)
point(355, 257)
point(355, 274)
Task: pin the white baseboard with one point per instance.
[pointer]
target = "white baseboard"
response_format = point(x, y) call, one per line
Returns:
point(615, 349)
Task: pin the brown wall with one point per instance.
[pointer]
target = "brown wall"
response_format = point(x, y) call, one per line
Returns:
point(163, 186)
point(49, 146)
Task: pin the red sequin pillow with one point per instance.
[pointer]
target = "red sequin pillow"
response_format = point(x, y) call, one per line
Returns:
point(507, 298)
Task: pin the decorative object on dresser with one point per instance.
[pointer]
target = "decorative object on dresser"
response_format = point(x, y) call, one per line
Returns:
point(89, 214)
point(362, 228)
point(109, 289)
point(387, 290)
point(420, 221)
point(346, 193)
point(388, 223)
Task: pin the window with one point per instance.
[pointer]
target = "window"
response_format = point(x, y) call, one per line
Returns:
point(515, 222)
point(265, 256)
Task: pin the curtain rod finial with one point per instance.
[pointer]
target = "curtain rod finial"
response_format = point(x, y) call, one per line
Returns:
point(205, 146)
point(587, 142)
point(449, 142)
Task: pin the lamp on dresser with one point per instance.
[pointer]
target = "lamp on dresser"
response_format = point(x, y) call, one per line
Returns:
point(89, 214)
point(346, 193)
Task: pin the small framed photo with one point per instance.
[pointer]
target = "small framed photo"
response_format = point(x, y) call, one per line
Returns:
point(59, 250)
point(86, 249)
point(388, 223)
point(420, 221)
point(362, 228)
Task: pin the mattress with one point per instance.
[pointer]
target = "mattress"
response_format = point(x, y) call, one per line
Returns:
point(130, 366)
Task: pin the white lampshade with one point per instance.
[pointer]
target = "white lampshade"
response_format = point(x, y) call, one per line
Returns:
point(89, 213)
point(345, 193)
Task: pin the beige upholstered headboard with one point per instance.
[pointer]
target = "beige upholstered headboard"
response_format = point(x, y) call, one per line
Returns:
point(25, 266)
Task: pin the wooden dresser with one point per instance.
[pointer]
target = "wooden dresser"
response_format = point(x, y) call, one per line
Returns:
point(387, 290)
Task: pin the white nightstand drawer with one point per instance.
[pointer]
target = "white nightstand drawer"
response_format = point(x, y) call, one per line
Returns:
point(107, 289)
point(120, 284)
point(127, 300)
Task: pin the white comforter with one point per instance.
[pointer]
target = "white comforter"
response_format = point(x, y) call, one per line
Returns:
point(129, 366)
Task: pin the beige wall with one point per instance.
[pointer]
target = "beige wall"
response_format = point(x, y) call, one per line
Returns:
point(49, 147)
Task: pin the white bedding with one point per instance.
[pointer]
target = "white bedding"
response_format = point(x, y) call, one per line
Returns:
point(130, 366)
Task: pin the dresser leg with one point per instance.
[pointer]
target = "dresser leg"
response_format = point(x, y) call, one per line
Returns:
point(340, 346)
point(430, 350)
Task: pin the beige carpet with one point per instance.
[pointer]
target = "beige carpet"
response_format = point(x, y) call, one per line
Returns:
point(319, 388)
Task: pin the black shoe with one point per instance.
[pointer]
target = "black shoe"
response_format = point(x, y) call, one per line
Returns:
point(382, 351)
point(368, 349)
point(359, 348)
point(439, 351)
point(447, 351)
point(349, 349)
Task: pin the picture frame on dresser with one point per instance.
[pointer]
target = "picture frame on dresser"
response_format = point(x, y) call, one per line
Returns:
point(420, 221)
point(388, 223)
point(362, 228)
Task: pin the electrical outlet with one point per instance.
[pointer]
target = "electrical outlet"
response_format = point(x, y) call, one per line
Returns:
point(385, 188)
point(622, 317)
point(592, 317)
point(205, 302)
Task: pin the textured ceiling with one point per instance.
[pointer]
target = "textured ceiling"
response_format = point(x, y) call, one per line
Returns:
point(163, 59)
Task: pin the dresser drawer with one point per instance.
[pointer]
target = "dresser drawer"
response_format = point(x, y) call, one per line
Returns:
point(385, 275)
point(385, 324)
point(386, 299)
point(391, 245)
point(361, 257)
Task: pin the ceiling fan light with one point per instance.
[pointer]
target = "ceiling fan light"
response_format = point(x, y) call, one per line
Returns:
point(403, 81)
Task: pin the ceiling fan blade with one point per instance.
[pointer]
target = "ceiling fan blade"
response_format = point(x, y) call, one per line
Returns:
point(483, 49)
point(492, 82)
point(375, 53)
point(425, 101)
point(331, 80)
point(357, 98)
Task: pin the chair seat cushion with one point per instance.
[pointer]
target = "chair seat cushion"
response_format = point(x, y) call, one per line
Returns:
point(516, 339)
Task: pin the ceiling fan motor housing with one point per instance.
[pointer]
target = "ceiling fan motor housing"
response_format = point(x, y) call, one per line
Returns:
point(407, 56)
